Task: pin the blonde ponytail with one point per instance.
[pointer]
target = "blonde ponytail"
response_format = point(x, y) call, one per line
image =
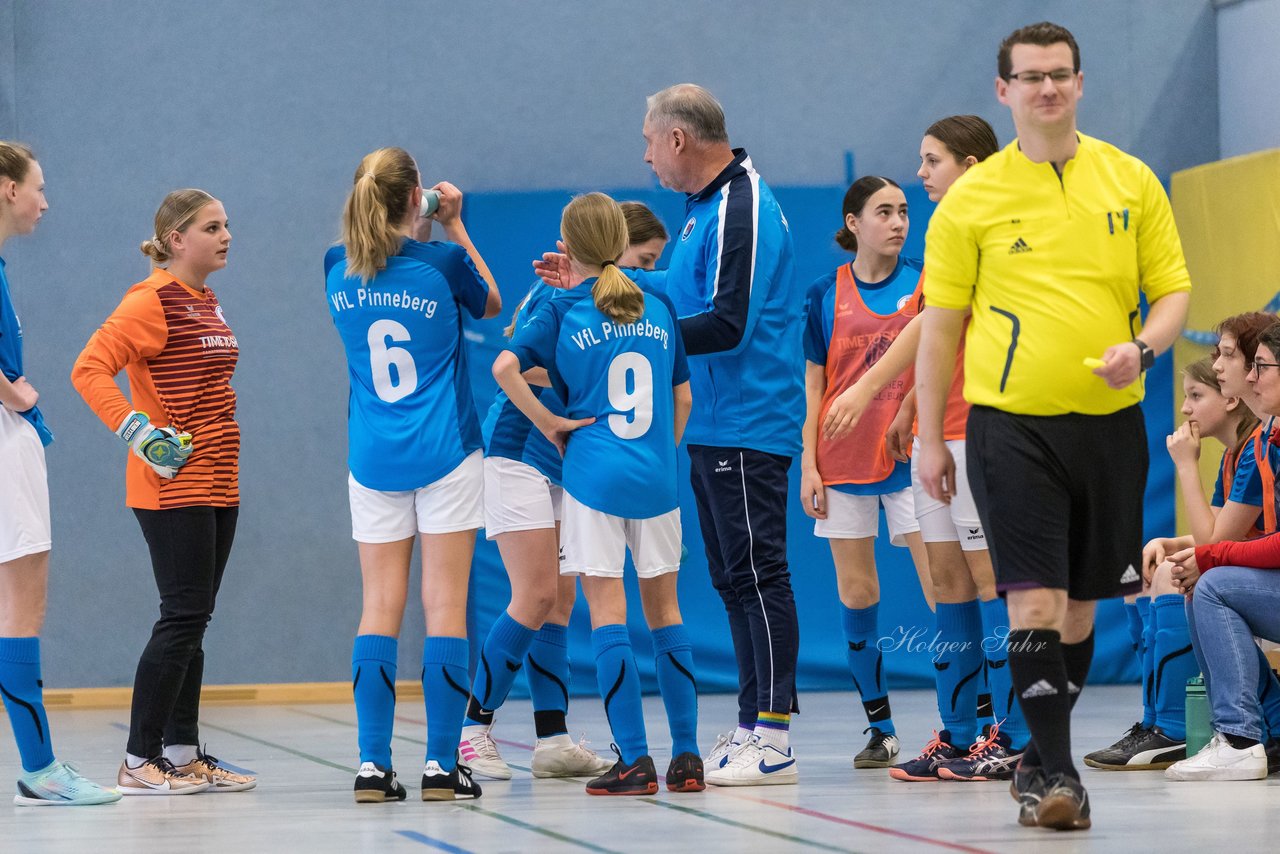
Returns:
point(595, 232)
point(377, 205)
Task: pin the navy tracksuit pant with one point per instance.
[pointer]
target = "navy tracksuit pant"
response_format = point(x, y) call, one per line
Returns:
point(742, 511)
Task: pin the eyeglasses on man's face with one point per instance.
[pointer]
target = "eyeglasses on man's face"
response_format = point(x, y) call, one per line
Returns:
point(1257, 365)
point(1059, 76)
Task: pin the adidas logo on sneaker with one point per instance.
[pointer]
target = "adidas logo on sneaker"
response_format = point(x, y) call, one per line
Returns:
point(1130, 576)
point(1019, 245)
point(1040, 689)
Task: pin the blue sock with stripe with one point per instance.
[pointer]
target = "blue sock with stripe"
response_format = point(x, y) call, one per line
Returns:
point(619, 684)
point(1175, 664)
point(501, 658)
point(23, 692)
point(1133, 621)
point(373, 682)
point(861, 632)
point(995, 625)
point(1148, 661)
point(673, 658)
point(547, 667)
point(444, 679)
point(958, 665)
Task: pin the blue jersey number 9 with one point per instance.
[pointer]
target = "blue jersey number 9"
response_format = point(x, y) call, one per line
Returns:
point(631, 393)
point(383, 357)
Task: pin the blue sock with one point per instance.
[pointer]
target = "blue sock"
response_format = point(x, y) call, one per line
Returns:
point(444, 675)
point(1269, 696)
point(1175, 664)
point(501, 658)
point(547, 668)
point(958, 667)
point(23, 691)
point(673, 655)
point(1134, 618)
point(373, 681)
point(1148, 662)
point(866, 664)
point(995, 621)
point(620, 689)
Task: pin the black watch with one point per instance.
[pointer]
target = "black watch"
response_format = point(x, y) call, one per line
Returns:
point(1146, 354)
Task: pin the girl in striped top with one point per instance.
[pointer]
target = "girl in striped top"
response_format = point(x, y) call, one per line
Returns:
point(170, 338)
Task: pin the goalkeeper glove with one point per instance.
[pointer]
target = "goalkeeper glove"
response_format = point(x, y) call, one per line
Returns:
point(162, 448)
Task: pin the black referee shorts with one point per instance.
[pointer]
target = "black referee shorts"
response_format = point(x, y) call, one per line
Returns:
point(1060, 497)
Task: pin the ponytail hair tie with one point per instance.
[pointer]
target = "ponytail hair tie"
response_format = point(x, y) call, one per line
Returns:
point(608, 264)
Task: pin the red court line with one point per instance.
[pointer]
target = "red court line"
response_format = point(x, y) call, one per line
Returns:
point(519, 744)
point(848, 822)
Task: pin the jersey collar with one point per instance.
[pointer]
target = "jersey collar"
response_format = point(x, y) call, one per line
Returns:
point(738, 166)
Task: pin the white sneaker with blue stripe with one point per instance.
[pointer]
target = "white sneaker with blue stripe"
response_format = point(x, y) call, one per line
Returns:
point(61, 785)
point(756, 763)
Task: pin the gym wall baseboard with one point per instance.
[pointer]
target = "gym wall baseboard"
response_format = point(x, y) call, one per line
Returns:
point(264, 694)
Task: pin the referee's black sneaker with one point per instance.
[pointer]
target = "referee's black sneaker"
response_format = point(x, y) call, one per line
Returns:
point(638, 778)
point(441, 785)
point(1027, 789)
point(376, 785)
point(1142, 748)
point(1064, 805)
point(684, 774)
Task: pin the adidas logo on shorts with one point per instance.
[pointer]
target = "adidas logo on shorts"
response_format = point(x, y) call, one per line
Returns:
point(1019, 245)
point(1130, 576)
point(1040, 689)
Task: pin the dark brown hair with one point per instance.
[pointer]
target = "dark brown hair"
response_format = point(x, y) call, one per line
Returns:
point(15, 160)
point(855, 199)
point(965, 136)
point(1246, 329)
point(1042, 34)
point(643, 224)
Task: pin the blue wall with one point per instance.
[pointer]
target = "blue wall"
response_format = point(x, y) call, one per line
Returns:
point(270, 104)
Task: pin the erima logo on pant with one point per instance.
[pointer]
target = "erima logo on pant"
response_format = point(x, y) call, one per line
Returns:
point(1040, 689)
point(723, 465)
point(1130, 576)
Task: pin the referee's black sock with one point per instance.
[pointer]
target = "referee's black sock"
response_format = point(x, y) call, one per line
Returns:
point(1077, 658)
point(1038, 668)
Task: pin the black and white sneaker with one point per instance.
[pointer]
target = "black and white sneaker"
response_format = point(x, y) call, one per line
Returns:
point(1140, 749)
point(441, 785)
point(1064, 805)
point(1027, 788)
point(375, 785)
point(880, 752)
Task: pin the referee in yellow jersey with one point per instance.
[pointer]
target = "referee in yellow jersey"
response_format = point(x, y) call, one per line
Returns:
point(1049, 244)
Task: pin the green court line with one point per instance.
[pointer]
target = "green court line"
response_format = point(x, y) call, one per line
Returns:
point(777, 834)
point(559, 837)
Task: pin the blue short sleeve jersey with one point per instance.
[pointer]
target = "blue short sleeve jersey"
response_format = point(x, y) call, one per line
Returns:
point(410, 414)
point(507, 433)
point(622, 375)
point(732, 280)
point(11, 353)
point(1246, 487)
point(884, 297)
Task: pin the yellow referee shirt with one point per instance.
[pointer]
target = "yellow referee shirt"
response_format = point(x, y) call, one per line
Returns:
point(1051, 269)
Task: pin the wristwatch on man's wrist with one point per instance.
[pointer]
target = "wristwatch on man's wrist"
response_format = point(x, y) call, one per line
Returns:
point(1146, 355)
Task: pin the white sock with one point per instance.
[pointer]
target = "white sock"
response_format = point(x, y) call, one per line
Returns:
point(779, 738)
point(181, 754)
point(473, 730)
point(741, 734)
point(134, 762)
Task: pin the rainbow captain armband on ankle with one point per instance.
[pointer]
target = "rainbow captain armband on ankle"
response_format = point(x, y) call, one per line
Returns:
point(162, 448)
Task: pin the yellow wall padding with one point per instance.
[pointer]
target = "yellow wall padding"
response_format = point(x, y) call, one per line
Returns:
point(1228, 216)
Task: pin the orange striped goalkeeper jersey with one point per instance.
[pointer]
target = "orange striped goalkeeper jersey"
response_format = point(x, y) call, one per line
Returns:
point(178, 354)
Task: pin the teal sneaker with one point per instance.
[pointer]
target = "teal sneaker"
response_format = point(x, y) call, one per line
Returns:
point(61, 785)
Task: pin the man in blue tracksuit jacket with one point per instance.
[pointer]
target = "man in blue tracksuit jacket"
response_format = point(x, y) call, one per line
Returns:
point(732, 281)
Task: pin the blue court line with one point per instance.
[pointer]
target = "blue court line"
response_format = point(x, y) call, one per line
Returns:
point(433, 842)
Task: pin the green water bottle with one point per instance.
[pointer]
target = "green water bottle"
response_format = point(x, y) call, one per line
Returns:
point(1199, 728)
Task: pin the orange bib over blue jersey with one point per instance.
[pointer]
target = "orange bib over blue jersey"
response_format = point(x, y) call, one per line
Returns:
point(859, 337)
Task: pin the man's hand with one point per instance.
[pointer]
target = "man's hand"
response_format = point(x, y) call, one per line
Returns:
point(1121, 364)
point(555, 270)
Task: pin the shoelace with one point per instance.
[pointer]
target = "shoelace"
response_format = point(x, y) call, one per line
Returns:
point(749, 753)
point(164, 765)
point(1133, 736)
point(879, 738)
point(487, 748)
point(934, 745)
point(985, 742)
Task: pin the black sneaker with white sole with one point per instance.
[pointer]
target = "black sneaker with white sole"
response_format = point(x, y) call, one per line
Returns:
point(1027, 788)
point(441, 785)
point(376, 785)
point(1140, 749)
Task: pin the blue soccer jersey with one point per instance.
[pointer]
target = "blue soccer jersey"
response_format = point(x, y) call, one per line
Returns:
point(507, 433)
point(410, 415)
point(622, 375)
point(11, 353)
